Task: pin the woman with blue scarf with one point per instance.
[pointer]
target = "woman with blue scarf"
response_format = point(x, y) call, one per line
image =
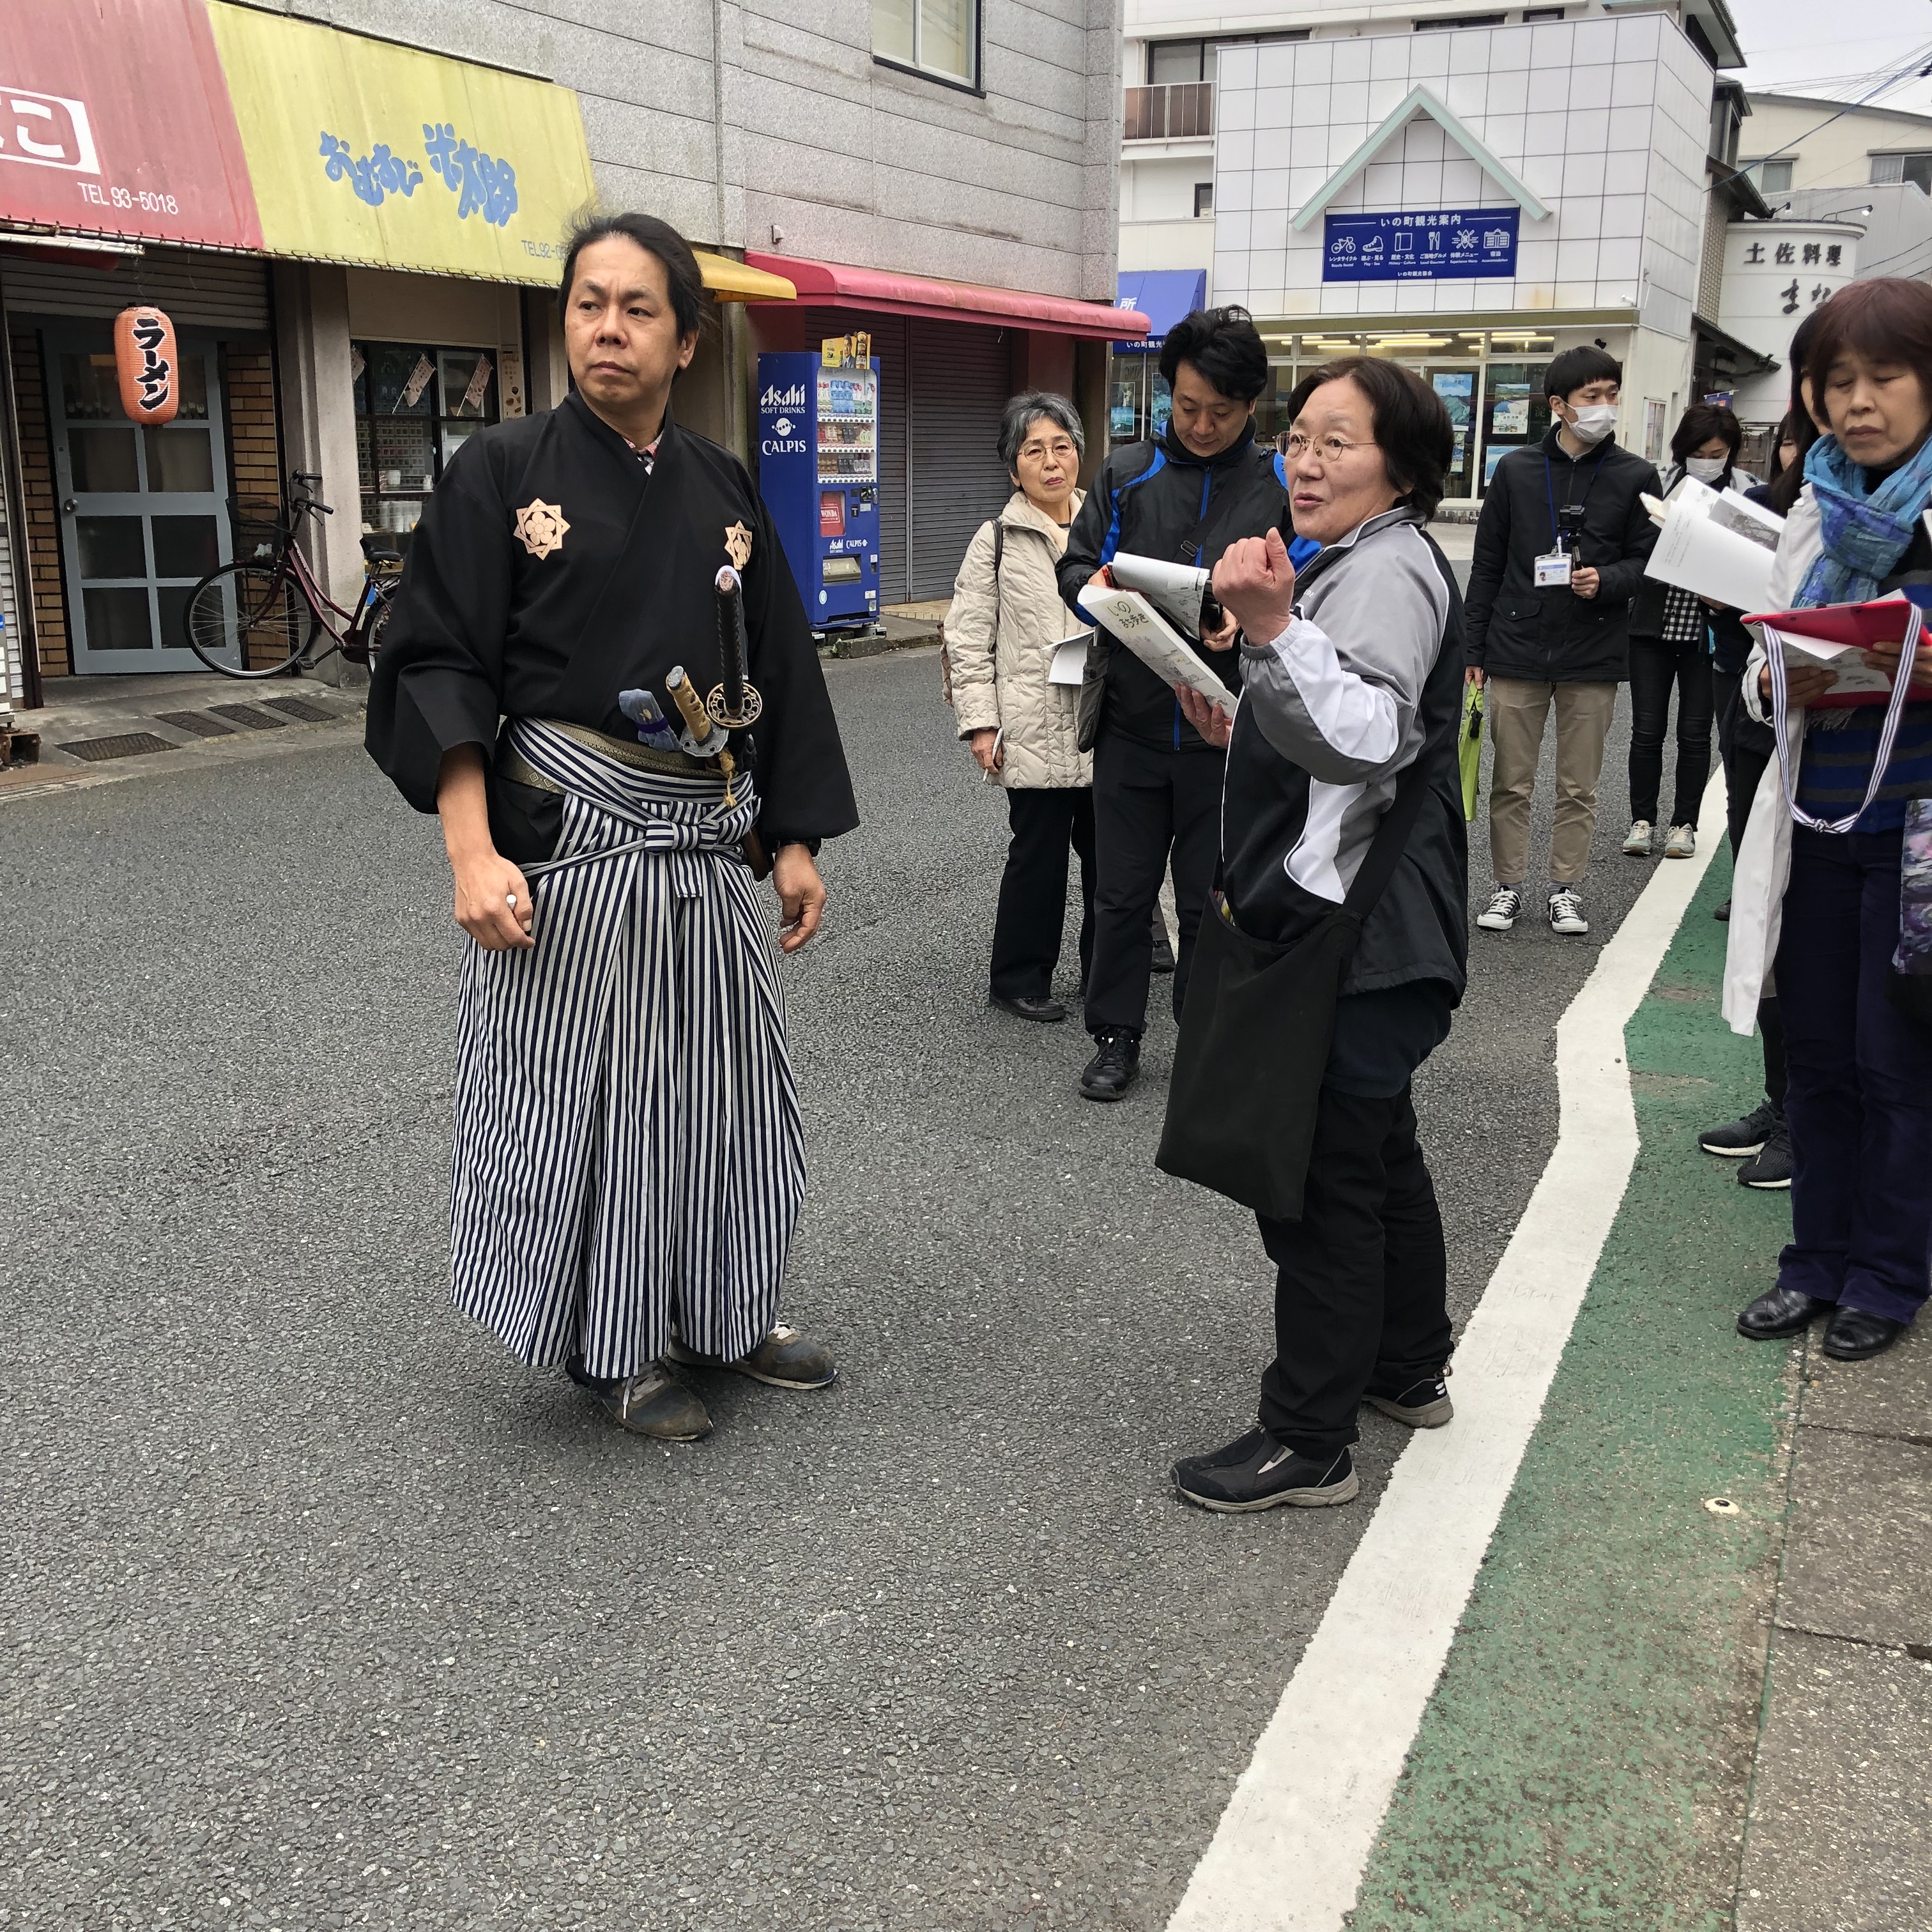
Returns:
point(1821, 870)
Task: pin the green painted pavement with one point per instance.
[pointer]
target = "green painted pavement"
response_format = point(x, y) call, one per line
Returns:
point(1586, 1758)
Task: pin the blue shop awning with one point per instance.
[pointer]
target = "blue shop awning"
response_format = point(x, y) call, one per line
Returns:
point(1164, 296)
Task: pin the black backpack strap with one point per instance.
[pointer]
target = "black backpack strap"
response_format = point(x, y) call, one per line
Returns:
point(1385, 850)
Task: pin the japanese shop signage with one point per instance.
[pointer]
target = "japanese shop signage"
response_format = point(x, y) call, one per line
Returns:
point(1432, 244)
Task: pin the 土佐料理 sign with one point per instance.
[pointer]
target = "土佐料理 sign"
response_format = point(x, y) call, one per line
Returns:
point(1433, 245)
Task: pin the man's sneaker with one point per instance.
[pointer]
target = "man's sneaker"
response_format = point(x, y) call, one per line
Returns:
point(652, 1402)
point(1256, 1472)
point(1736, 1139)
point(785, 1359)
point(1682, 843)
point(1771, 1166)
point(1722, 913)
point(1566, 912)
point(1115, 1066)
point(1636, 840)
point(1423, 1404)
point(1500, 914)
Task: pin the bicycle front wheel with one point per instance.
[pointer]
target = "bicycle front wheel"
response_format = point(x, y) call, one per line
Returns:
point(249, 620)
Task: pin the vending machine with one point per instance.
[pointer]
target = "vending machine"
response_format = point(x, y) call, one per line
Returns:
point(818, 471)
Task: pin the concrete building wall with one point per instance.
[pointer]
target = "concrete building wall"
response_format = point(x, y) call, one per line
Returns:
point(774, 128)
point(1828, 146)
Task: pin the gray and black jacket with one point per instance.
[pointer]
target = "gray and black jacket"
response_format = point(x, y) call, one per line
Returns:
point(1366, 678)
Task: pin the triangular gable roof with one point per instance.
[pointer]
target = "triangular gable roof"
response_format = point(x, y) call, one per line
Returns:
point(1420, 98)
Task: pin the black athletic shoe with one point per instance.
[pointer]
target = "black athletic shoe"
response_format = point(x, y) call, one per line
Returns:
point(1045, 1011)
point(1723, 913)
point(1115, 1065)
point(1423, 1404)
point(1770, 1167)
point(1736, 1140)
point(1256, 1472)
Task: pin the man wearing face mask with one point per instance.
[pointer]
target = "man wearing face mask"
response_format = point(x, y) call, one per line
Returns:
point(1560, 550)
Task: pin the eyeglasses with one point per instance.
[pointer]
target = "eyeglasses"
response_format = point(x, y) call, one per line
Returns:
point(1325, 449)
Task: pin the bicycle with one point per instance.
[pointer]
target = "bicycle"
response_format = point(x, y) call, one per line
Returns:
point(261, 615)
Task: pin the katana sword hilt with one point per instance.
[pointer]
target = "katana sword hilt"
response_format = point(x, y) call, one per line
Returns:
point(702, 738)
point(735, 703)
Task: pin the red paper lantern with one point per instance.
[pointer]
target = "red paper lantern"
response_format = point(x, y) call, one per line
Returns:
point(148, 363)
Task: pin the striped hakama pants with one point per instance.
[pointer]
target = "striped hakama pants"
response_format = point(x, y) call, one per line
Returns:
point(629, 1157)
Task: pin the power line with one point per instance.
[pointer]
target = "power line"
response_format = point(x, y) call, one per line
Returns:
point(1916, 67)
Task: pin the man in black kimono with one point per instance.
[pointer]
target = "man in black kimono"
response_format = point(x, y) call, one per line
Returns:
point(629, 1160)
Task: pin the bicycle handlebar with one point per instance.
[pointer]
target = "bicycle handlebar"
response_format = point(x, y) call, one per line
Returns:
point(301, 479)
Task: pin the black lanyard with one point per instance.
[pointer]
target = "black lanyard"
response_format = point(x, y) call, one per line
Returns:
point(1549, 485)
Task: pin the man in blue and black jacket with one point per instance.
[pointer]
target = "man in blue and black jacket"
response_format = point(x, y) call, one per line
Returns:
point(1184, 497)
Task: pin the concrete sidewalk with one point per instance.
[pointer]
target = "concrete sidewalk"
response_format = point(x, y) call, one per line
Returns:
point(1693, 1686)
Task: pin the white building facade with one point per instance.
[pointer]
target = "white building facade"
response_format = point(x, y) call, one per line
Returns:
point(1469, 194)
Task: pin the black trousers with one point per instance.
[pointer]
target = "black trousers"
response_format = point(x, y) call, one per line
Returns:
point(1361, 1283)
point(1147, 801)
point(1655, 667)
point(1046, 826)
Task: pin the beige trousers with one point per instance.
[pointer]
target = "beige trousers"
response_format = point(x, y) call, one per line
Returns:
point(1516, 709)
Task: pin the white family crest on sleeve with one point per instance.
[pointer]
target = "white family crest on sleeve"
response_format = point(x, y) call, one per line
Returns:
point(542, 526)
point(738, 545)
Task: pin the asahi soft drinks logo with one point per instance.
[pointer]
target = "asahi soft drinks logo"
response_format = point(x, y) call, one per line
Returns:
point(776, 404)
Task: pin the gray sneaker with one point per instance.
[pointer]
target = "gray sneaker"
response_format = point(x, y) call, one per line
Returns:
point(652, 1403)
point(785, 1359)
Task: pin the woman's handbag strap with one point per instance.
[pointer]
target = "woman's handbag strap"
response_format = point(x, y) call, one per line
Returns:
point(1384, 853)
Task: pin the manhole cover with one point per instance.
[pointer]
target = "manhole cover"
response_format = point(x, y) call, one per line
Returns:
point(301, 708)
point(248, 717)
point(199, 722)
point(129, 744)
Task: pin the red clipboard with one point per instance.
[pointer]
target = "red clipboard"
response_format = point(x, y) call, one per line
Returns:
point(1882, 621)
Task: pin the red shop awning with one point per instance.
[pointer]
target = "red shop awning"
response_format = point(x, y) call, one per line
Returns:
point(114, 120)
point(834, 285)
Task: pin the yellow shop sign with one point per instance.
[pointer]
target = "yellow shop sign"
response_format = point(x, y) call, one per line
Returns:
point(362, 151)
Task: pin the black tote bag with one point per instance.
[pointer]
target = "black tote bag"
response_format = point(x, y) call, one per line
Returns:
point(1255, 1032)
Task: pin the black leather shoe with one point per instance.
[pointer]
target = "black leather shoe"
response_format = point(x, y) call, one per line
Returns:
point(1851, 1334)
point(1046, 1011)
point(1779, 1311)
point(1163, 949)
point(1115, 1065)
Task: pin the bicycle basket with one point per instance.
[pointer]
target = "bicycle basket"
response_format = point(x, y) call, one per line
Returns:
point(261, 526)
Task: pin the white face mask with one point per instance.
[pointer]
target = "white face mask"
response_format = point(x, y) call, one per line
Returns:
point(1706, 469)
point(1593, 421)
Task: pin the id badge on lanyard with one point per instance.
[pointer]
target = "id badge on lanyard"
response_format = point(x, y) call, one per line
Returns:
point(1553, 570)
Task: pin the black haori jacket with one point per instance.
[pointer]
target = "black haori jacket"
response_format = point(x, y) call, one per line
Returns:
point(1366, 679)
point(550, 572)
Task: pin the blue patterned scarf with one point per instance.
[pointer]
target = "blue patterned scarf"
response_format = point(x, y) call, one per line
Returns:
point(1866, 530)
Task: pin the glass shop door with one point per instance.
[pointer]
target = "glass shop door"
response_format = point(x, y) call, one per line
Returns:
point(143, 509)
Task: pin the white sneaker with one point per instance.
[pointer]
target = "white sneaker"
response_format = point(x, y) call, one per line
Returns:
point(1500, 914)
point(1636, 840)
point(1682, 843)
point(1566, 912)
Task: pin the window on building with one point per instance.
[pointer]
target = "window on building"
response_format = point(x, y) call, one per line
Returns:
point(1916, 168)
point(1204, 198)
point(1169, 62)
point(1771, 177)
point(941, 37)
point(1463, 20)
point(1534, 14)
point(416, 405)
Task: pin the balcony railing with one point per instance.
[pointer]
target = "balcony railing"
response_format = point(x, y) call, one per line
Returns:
point(1177, 112)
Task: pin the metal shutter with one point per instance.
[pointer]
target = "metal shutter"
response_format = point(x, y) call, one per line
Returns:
point(889, 345)
point(959, 386)
point(198, 291)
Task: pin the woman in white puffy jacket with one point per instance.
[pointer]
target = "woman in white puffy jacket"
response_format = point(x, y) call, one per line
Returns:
point(1006, 623)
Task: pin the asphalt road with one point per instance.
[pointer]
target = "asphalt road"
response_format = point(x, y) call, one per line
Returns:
point(317, 1610)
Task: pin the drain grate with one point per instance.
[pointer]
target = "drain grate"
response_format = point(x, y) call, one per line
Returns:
point(248, 717)
point(129, 744)
point(302, 709)
point(199, 722)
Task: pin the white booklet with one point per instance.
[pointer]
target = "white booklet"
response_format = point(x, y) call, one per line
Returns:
point(1128, 616)
point(1069, 660)
point(1174, 589)
point(1714, 544)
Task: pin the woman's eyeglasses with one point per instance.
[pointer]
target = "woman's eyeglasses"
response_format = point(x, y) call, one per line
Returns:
point(1325, 449)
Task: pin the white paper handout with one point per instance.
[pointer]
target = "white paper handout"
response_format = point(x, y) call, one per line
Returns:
point(1715, 545)
point(1128, 616)
point(1069, 660)
point(1174, 589)
point(1847, 660)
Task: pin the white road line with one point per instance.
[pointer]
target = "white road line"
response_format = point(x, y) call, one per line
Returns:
point(1290, 1850)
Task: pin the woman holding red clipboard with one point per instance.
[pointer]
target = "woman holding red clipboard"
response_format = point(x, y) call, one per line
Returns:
point(1834, 877)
